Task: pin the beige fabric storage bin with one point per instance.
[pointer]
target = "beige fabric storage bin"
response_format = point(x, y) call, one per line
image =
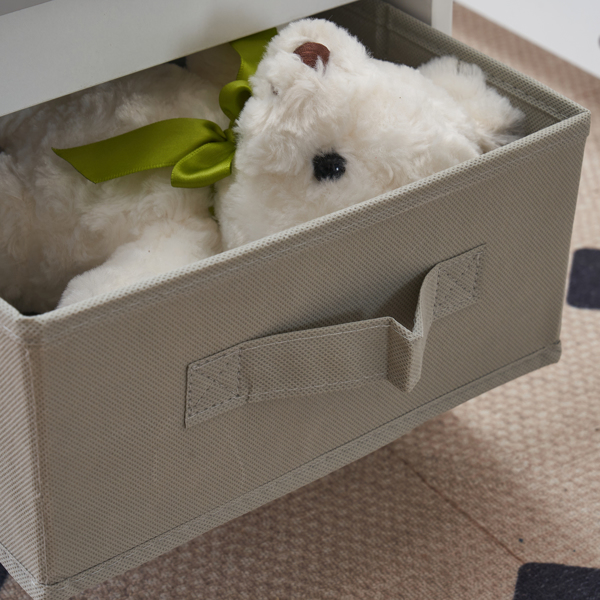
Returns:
point(135, 422)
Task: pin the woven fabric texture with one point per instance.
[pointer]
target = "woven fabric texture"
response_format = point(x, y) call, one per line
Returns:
point(332, 358)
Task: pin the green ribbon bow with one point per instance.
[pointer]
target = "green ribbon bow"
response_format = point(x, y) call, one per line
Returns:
point(199, 151)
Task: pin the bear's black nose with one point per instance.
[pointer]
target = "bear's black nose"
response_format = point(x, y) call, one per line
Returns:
point(329, 166)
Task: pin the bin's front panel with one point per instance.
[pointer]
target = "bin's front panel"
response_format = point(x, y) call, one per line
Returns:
point(124, 468)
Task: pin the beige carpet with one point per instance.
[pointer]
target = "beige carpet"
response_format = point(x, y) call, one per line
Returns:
point(452, 510)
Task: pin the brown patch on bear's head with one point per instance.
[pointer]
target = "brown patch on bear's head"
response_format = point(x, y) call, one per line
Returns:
point(310, 52)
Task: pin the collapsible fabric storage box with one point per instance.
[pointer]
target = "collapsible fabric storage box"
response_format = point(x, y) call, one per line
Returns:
point(135, 422)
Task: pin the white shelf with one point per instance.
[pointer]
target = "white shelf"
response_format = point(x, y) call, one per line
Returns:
point(58, 47)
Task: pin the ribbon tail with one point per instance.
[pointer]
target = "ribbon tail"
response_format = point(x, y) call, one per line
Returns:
point(251, 49)
point(157, 145)
point(235, 94)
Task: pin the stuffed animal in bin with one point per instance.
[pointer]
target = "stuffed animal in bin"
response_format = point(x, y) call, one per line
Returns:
point(326, 126)
point(57, 227)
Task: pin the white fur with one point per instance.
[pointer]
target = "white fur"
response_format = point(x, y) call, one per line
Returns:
point(393, 125)
point(54, 224)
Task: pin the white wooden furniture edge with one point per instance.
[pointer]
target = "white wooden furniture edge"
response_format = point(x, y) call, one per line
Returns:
point(57, 47)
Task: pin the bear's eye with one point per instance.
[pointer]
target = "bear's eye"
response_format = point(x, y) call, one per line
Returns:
point(329, 166)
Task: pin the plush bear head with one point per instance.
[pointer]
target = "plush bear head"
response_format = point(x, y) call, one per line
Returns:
point(329, 126)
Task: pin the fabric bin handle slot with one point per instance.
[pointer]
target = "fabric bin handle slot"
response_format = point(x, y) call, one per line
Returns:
point(332, 358)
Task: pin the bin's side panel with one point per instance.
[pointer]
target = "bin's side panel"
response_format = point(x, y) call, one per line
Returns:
point(22, 531)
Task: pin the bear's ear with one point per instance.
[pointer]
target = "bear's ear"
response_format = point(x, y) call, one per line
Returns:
point(310, 52)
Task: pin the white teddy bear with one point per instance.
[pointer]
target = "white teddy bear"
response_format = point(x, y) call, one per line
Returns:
point(337, 127)
point(327, 126)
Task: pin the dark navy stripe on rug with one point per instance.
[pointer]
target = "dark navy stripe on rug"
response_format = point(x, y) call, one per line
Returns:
point(539, 581)
point(3, 575)
point(584, 282)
